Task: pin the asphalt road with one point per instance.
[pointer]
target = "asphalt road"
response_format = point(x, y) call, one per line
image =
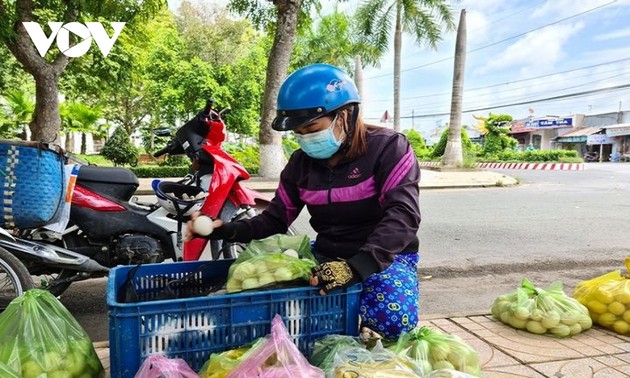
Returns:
point(479, 243)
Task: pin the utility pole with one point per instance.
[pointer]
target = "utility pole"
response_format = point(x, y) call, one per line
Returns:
point(413, 126)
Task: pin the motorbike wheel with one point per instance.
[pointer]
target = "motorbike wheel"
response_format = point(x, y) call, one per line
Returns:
point(227, 250)
point(14, 278)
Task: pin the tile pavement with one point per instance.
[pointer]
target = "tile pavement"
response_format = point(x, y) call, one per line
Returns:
point(505, 352)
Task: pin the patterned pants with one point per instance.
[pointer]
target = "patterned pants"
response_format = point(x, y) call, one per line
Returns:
point(390, 299)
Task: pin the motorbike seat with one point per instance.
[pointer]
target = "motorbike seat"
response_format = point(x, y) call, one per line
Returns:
point(111, 175)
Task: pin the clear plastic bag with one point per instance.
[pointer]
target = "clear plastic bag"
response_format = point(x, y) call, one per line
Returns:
point(542, 311)
point(279, 259)
point(219, 365)
point(277, 357)
point(40, 338)
point(325, 349)
point(7, 372)
point(157, 366)
point(353, 361)
point(434, 350)
point(607, 299)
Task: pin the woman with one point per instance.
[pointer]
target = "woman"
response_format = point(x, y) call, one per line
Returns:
point(360, 186)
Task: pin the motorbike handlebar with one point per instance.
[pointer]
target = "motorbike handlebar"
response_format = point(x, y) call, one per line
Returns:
point(162, 151)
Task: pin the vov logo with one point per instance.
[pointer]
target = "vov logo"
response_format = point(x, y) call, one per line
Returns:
point(87, 32)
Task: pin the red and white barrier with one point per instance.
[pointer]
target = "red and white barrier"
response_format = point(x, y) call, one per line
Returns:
point(532, 166)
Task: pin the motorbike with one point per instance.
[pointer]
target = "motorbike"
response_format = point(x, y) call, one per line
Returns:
point(109, 226)
point(590, 157)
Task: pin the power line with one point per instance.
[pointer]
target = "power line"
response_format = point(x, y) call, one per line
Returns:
point(553, 98)
point(501, 41)
point(526, 97)
point(513, 81)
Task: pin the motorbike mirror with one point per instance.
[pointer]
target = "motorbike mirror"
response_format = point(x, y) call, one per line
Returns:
point(164, 132)
point(224, 111)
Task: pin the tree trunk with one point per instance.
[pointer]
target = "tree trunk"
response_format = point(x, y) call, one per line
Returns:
point(272, 158)
point(358, 77)
point(453, 155)
point(83, 144)
point(46, 123)
point(68, 145)
point(397, 58)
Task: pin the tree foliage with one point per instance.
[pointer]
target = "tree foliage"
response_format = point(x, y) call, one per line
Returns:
point(47, 70)
point(119, 149)
point(496, 131)
point(440, 146)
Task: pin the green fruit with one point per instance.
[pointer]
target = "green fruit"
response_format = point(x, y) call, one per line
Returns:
point(561, 330)
point(78, 365)
point(518, 323)
point(51, 361)
point(537, 314)
point(551, 319)
point(437, 365)
point(250, 283)
point(575, 329)
point(535, 327)
point(266, 279)
point(570, 317)
point(244, 271)
point(31, 369)
point(521, 313)
point(585, 322)
point(438, 352)
point(93, 363)
point(59, 374)
point(283, 274)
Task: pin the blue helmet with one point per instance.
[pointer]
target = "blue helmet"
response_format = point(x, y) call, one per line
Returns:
point(312, 92)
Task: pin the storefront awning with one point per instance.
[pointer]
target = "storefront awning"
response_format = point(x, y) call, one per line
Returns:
point(618, 129)
point(578, 136)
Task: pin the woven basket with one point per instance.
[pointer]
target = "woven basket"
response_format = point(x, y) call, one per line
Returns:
point(31, 178)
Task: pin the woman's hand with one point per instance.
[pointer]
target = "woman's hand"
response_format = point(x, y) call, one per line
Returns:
point(190, 234)
point(333, 275)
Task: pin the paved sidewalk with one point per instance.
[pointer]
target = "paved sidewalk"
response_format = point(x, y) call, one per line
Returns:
point(430, 179)
point(507, 352)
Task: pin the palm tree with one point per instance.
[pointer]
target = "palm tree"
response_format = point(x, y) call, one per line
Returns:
point(421, 18)
point(19, 110)
point(453, 155)
point(77, 117)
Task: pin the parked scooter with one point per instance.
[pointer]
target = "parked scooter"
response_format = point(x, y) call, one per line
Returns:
point(109, 227)
point(591, 157)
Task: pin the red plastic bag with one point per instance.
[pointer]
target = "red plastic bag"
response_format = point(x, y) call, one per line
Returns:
point(157, 366)
point(277, 357)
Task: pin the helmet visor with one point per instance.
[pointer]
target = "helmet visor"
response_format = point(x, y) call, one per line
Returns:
point(290, 119)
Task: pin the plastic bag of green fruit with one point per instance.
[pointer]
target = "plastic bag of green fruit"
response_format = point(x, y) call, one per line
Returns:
point(607, 298)
point(435, 350)
point(265, 263)
point(41, 339)
point(542, 311)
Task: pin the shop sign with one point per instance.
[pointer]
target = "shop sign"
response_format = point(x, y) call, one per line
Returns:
point(598, 139)
point(550, 122)
point(617, 131)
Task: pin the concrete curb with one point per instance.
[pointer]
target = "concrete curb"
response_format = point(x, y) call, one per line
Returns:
point(530, 166)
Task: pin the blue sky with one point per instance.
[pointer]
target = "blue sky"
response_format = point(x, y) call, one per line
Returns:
point(522, 48)
point(519, 51)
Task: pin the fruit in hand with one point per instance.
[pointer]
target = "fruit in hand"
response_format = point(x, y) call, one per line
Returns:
point(203, 225)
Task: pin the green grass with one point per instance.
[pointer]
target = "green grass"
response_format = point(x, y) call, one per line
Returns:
point(96, 159)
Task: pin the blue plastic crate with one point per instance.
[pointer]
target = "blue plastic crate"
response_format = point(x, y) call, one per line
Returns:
point(193, 328)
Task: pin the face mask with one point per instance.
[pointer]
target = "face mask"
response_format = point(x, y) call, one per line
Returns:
point(320, 144)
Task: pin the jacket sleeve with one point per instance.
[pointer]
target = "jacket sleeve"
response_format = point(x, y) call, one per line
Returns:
point(278, 216)
point(397, 176)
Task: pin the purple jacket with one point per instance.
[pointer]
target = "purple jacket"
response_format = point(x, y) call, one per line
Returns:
point(364, 210)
